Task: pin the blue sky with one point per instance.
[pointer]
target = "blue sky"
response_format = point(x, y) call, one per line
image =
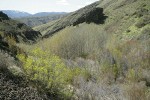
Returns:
point(34, 6)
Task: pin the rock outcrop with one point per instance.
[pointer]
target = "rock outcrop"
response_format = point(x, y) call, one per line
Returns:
point(3, 16)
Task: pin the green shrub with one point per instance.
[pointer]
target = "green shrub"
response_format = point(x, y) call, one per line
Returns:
point(48, 69)
point(133, 75)
point(143, 21)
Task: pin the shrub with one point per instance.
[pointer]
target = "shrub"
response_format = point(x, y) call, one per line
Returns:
point(4, 63)
point(50, 71)
point(143, 21)
point(109, 73)
point(75, 42)
point(133, 75)
point(136, 91)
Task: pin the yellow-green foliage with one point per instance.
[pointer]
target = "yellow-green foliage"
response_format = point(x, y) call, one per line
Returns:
point(1, 33)
point(49, 69)
point(11, 41)
point(45, 67)
point(109, 73)
point(134, 75)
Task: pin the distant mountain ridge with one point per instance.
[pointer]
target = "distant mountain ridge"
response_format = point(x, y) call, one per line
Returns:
point(20, 14)
point(16, 14)
point(42, 14)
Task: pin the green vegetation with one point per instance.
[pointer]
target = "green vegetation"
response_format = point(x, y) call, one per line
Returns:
point(78, 43)
point(119, 47)
point(19, 31)
point(84, 60)
point(49, 73)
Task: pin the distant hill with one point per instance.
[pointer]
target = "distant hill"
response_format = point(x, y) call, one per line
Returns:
point(16, 14)
point(42, 14)
point(20, 14)
point(36, 19)
point(40, 18)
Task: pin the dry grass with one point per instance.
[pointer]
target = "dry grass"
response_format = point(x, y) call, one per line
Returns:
point(136, 91)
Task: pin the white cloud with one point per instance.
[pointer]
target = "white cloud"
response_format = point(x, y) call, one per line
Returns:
point(63, 2)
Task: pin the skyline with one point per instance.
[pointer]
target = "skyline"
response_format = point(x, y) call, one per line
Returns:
point(35, 6)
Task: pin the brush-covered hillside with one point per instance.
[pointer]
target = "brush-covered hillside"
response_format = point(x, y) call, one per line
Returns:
point(13, 83)
point(12, 32)
point(19, 31)
point(109, 38)
point(99, 52)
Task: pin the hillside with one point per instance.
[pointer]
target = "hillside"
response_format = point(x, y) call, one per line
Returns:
point(40, 18)
point(19, 31)
point(12, 32)
point(88, 14)
point(109, 38)
point(99, 52)
point(13, 83)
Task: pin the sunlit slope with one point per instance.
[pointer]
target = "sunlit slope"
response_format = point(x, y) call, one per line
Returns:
point(123, 35)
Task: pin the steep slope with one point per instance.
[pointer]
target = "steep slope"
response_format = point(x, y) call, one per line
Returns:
point(115, 43)
point(19, 31)
point(12, 32)
point(88, 14)
point(118, 21)
point(13, 83)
